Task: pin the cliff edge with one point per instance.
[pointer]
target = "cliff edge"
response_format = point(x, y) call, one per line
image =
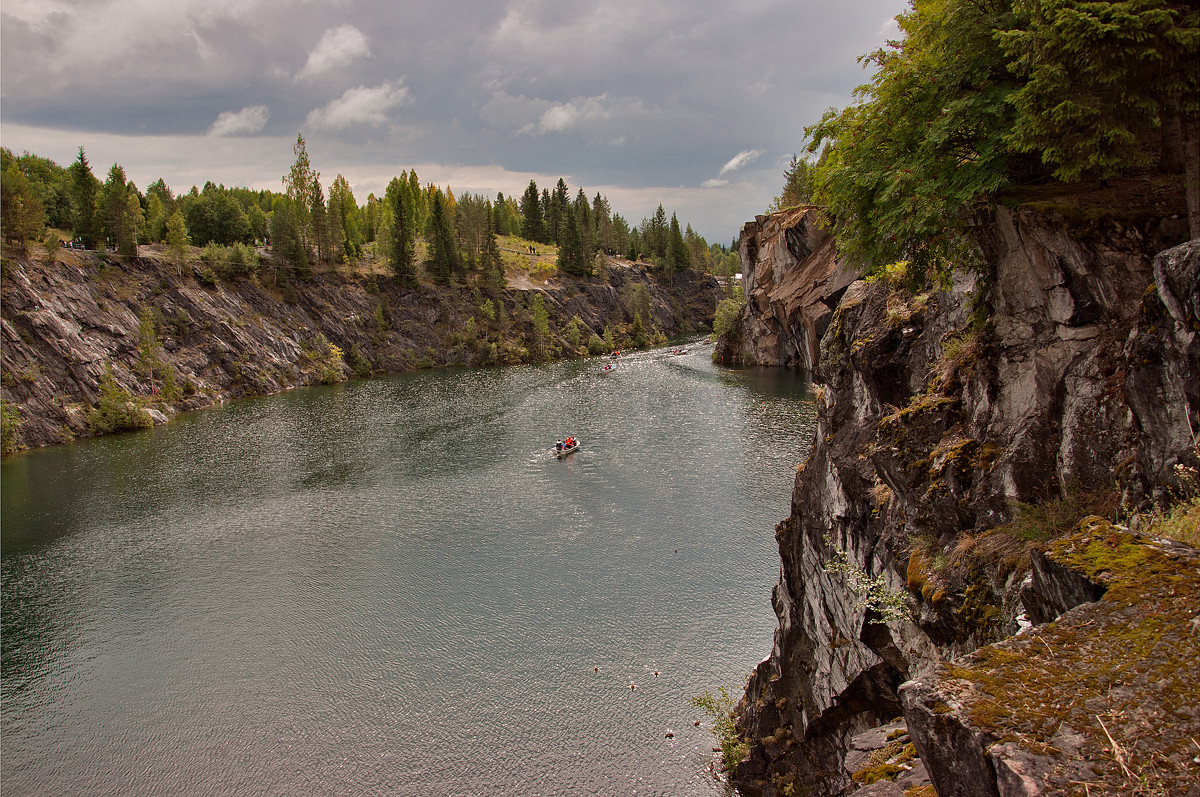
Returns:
point(960, 432)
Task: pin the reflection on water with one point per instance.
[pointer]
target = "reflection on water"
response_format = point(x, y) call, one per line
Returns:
point(392, 587)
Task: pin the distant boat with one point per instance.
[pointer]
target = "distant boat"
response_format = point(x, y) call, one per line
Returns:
point(567, 448)
point(680, 351)
point(607, 368)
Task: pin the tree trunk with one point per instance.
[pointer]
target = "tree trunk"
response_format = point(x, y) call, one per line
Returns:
point(1172, 159)
point(1191, 178)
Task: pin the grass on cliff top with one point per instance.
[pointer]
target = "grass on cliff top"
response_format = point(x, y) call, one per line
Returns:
point(1109, 690)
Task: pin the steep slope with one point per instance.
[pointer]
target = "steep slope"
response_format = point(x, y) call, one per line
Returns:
point(1066, 373)
point(179, 344)
point(792, 279)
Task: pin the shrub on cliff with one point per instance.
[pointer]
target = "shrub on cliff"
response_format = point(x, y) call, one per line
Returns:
point(10, 423)
point(116, 410)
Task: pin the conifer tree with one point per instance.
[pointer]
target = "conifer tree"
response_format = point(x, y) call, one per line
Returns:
point(493, 264)
point(321, 232)
point(401, 250)
point(532, 225)
point(443, 257)
point(84, 190)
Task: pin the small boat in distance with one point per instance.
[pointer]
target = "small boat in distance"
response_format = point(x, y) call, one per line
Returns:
point(564, 448)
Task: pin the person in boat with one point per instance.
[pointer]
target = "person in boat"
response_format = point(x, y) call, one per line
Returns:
point(558, 446)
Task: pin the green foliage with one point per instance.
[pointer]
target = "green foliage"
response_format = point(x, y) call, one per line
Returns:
point(443, 257)
point(720, 708)
point(871, 592)
point(956, 107)
point(328, 359)
point(177, 237)
point(21, 214)
point(573, 333)
point(1099, 79)
point(729, 311)
point(52, 243)
point(541, 326)
point(797, 185)
point(147, 345)
point(596, 345)
point(533, 227)
point(358, 363)
point(10, 424)
point(905, 165)
point(84, 190)
point(116, 410)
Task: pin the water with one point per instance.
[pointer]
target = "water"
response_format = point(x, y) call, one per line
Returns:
point(392, 587)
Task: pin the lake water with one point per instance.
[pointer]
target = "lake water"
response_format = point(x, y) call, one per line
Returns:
point(391, 587)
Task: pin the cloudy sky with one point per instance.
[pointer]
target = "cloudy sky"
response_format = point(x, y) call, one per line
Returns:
point(694, 104)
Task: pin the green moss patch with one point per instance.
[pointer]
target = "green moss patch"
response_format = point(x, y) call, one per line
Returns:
point(1110, 693)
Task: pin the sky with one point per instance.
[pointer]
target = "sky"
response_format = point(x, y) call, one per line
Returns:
point(697, 105)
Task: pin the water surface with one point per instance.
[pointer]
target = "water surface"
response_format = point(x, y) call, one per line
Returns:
point(392, 587)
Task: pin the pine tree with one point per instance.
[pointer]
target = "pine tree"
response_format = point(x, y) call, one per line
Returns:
point(443, 257)
point(298, 186)
point(570, 250)
point(84, 191)
point(401, 251)
point(797, 186)
point(532, 226)
point(558, 205)
point(319, 217)
point(493, 264)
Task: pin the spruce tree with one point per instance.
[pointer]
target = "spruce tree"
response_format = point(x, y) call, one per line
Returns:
point(401, 250)
point(443, 257)
point(532, 226)
point(84, 190)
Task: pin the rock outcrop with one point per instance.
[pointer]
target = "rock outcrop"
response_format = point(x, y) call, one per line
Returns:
point(1064, 373)
point(1106, 695)
point(793, 280)
point(66, 324)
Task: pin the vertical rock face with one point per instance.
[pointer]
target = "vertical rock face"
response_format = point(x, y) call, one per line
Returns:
point(793, 280)
point(1062, 368)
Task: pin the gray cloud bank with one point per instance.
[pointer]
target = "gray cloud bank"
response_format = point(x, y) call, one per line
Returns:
point(698, 105)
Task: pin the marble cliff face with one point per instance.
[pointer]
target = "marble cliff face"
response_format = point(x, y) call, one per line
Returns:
point(1066, 370)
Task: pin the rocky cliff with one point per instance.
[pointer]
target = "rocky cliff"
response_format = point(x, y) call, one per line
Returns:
point(793, 280)
point(173, 342)
point(959, 432)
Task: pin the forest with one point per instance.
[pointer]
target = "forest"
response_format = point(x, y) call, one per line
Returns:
point(414, 231)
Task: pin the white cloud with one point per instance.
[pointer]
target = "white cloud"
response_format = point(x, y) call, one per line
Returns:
point(741, 159)
point(360, 105)
point(603, 117)
point(245, 122)
point(714, 182)
point(337, 47)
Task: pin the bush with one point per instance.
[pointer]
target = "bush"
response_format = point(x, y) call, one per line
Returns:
point(729, 311)
point(720, 708)
point(10, 424)
point(115, 410)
